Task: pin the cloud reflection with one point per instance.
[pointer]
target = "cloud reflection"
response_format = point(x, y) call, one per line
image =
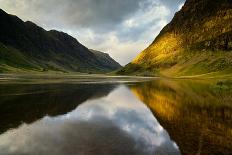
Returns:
point(116, 124)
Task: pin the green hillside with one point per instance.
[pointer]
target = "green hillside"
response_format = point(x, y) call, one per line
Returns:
point(197, 41)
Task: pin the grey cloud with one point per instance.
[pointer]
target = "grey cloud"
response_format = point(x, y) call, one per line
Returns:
point(135, 34)
point(97, 14)
point(101, 12)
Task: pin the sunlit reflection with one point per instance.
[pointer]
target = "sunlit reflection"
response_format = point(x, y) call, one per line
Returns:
point(196, 114)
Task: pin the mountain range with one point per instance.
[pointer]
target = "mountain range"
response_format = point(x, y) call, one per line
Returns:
point(24, 47)
point(198, 41)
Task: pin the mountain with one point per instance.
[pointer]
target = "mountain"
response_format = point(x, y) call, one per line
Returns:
point(106, 60)
point(197, 41)
point(24, 46)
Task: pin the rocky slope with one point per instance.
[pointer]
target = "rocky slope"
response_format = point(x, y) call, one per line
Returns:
point(24, 46)
point(197, 41)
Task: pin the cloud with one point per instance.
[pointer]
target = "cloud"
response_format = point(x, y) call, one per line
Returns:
point(95, 14)
point(120, 27)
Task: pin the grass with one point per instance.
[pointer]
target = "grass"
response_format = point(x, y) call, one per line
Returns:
point(12, 60)
point(186, 63)
point(195, 63)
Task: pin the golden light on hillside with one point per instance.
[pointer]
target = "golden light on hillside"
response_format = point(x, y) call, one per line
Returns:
point(166, 46)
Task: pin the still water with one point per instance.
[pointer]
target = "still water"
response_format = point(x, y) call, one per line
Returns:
point(162, 117)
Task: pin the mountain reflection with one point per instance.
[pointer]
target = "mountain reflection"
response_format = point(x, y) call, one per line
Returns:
point(197, 115)
point(115, 124)
point(28, 103)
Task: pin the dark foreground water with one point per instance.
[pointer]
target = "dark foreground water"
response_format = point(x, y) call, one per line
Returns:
point(116, 117)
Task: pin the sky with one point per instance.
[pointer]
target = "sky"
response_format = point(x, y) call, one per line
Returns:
point(122, 28)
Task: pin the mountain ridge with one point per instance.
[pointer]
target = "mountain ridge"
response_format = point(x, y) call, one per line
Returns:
point(36, 49)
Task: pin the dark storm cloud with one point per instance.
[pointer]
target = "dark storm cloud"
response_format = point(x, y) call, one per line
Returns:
point(100, 12)
point(97, 14)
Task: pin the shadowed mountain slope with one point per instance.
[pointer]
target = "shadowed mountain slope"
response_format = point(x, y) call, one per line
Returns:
point(25, 46)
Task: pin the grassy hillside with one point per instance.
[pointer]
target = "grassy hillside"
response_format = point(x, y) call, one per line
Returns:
point(197, 41)
point(11, 60)
point(24, 46)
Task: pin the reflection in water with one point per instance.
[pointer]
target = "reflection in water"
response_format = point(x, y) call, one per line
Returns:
point(197, 115)
point(115, 124)
point(24, 103)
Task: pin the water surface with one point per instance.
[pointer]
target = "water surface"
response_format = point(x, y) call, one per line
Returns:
point(115, 116)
